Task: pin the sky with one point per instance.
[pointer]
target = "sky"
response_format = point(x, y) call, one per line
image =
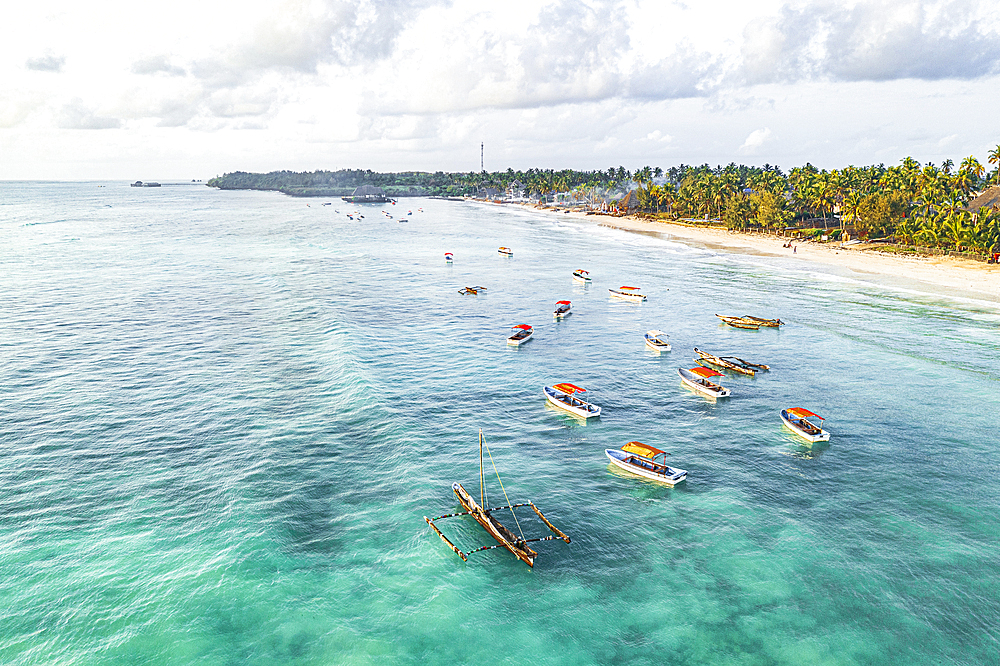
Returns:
point(191, 90)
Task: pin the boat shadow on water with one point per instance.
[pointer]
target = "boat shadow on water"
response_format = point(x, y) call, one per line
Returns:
point(794, 447)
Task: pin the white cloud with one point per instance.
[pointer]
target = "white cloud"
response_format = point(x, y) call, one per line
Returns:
point(754, 142)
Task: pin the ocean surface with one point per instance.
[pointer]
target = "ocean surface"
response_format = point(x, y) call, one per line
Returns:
point(225, 415)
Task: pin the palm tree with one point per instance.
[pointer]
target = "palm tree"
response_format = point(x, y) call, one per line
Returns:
point(994, 159)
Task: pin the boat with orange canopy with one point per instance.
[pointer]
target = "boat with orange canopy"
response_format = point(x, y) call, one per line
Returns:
point(581, 275)
point(646, 461)
point(796, 419)
point(627, 294)
point(564, 396)
point(506, 251)
point(697, 378)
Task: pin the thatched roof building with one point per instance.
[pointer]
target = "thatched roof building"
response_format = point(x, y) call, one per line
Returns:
point(630, 202)
point(989, 198)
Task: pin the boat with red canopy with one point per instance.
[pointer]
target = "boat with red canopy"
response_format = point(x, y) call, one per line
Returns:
point(647, 462)
point(520, 334)
point(796, 419)
point(581, 275)
point(506, 251)
point(449, 257)
point(697, 378)
point(628, 294)
point(564, 396)
point(562, 309)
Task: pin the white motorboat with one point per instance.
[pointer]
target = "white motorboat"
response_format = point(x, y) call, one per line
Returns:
point(520, 334)
point(564, 396)
point(627, 294)
point(449, 257)
point(796, 419)
point(657, 341)
point(506, 251)
point(562, 309)
point(581, 275)
point(647, 462)
point(697, 378)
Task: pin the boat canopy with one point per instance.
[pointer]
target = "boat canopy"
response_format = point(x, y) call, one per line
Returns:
point(630, 288)
point(706, 372)
point(580, 270)
point(803, 413)
point(562, 302)
point(655, 333)
point(642, 449)
point(569, 388)
point(526, 327)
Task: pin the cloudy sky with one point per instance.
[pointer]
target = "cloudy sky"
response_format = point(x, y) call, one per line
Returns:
point(189, 89)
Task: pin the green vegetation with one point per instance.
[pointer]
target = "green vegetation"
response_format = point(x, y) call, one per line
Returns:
point(912, 204)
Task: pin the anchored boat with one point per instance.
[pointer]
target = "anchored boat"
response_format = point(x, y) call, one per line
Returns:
point(730, 363)
point(515, 543)
point(562, 309)
point(657, 341)
point(471, 291)
point(520, 334)
point(628, 294)
point(697, 378)
point(770, 323)
point(646, 461)
point(796, 419)
point(506, 252)
point(739, 322)
point(564, 396)
point(581, 275)
point(449, 257)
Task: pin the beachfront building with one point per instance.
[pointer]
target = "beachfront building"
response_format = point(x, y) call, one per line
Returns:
point(515, 190)
point(988, 199)
point(629, 203)
point(367, 194)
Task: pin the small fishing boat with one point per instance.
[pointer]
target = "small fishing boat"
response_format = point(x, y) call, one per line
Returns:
point(563, 396)
point(449, 257)
point(657, 341)
point(628, 294)
point(520, 334)
point(647, 462)
point(733, 363)
point(562, 309)
point(506, 251)
point(739, 322)
point(514, 543)
point(581, 275)
point(796, 419)
point(770, 323)
point(697, 378)
point(471, 291)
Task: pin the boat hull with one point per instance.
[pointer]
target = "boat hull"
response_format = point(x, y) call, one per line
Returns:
point(643, 468)
point(822, 436)
point(625, 296)
point(583, 409)
point(514, 341)
point(693, 381)
point(506, 538)
point(656, 344)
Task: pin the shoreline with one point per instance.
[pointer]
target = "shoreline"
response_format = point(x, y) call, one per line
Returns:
point(944, 275)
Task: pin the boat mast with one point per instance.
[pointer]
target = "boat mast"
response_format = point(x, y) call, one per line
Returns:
point(482, 499)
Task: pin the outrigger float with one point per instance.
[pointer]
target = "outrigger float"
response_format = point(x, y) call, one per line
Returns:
point(730, 363)
point(515, 543)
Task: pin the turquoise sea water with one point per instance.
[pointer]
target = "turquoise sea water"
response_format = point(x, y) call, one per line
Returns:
point(225, 415)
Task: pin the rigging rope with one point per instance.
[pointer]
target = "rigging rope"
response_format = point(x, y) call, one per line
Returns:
point(504, 491)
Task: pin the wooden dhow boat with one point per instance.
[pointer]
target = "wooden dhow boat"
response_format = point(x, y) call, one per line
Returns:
point(581, 275)
point(563, 309)
point(520, 334)
point(796, 419)
point(730, 363)
point(657, 340)
point(697, 378)
point(506, 252)
point(515, 543)
point(627, 294)
point(646, 461)
point(738, 322)
point(770, 323)
point(564, 396)
point(473, 291)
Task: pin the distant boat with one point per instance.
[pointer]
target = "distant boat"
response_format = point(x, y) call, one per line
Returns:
point(520, 334)
point(563, 396)
point(471, 291)
point(647, 462)
point(770, 323)
point(739, 322)
point(562, 309)
point(697, 378)
point(139, 183)
point(657, 341)
point(730, 363)
point(449, 257)
point(628, 294)
point(796, 419)
point(506, 251)
point(581, 275)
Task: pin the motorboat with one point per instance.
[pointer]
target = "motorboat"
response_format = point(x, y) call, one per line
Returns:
point(628, 294)
point(581, 275)
point(449, 257)
point(506, 251)
point(657, 340)
point(697, 378)
point(796, 419)
point(647, 462)
point(562, 309)
point(520, 334)
point(564, 396)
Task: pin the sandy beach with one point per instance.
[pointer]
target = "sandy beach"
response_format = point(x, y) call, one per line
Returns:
point(937, 275)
